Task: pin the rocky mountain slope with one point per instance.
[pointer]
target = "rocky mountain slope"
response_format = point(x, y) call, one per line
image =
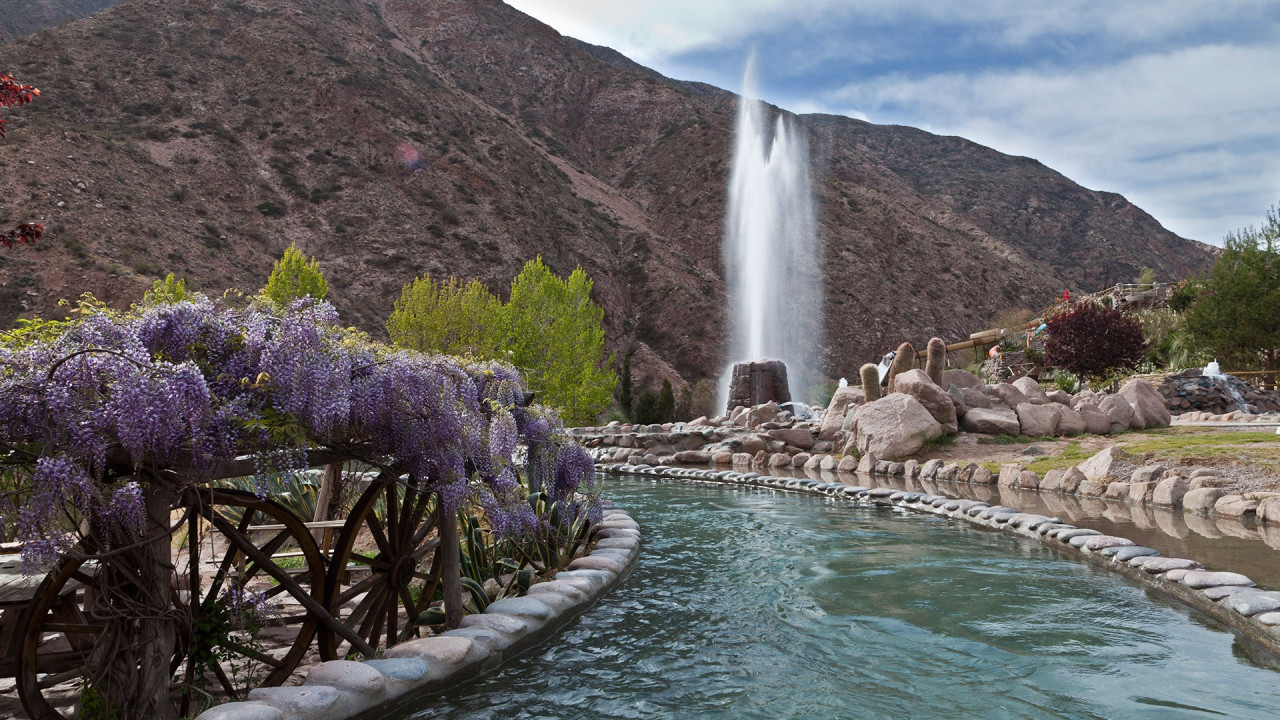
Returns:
point(23, 17)
point(392, 138)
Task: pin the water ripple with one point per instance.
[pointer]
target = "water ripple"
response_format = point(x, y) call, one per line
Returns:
point(764, 605)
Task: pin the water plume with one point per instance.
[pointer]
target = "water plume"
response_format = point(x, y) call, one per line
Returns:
point(771, 254)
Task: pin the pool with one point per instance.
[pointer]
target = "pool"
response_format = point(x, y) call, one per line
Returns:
point(753, 603)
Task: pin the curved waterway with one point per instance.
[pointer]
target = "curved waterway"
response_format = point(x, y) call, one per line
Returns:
point(754, 603)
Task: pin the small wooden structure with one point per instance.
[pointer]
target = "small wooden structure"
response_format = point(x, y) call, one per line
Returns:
point(364, 587)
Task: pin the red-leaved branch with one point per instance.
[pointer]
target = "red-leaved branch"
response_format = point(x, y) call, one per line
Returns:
point(14, 93)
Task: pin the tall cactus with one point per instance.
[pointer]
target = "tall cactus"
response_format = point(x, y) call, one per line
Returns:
point(904, 360)
point(870, 374)
point(935, 360)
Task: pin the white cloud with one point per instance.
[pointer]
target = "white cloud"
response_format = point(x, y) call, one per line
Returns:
point(648, 30)
point(1191, 135)
point(1174, 104)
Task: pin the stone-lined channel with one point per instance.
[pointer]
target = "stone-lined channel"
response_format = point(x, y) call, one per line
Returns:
point(756, 603)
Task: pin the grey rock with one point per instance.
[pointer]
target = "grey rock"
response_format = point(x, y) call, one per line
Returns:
point(1069, 535)
point(297, 701)
point(348, 675)
point(1125, 554)
point(1164, 565)
point(242, 711)
point(1204, 578)
point(1219, 592)
point(1201, 500)
point(990, 421)
point(1253, 602)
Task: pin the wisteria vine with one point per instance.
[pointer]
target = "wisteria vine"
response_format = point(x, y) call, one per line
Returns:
point(196, 383)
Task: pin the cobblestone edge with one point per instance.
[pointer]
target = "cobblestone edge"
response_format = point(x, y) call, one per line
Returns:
point(342, 689)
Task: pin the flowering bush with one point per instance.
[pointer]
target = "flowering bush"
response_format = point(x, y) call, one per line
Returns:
point(196, 383)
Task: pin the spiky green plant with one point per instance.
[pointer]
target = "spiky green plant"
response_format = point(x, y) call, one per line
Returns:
point(870, 375)
point(904, 360)
point(935, 360)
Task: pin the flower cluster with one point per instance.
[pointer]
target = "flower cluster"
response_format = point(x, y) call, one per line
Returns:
point(195, 383)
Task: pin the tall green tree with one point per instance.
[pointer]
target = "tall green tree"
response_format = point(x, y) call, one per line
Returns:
point(555, 334)
point(449, 318)
point(625, 398)
point(293, 277)
point(666, 402)
point(1235, 314)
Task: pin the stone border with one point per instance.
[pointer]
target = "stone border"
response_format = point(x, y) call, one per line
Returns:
point(1227, 597)
point(341, 689)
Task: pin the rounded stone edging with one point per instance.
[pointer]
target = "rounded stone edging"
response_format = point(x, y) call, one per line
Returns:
point(1227, 597)
point(342, 689)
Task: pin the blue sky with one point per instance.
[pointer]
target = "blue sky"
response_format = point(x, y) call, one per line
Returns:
point(1173, 103)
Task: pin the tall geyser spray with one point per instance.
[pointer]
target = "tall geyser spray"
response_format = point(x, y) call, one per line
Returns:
point(771, 255)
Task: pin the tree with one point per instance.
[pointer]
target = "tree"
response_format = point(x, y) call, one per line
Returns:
point(14, 93)
point(294, 277)
point(167, 291)
point(625, 400)
point(666, 402)
point(1234, 312)
point(448, 318)
point(549, 328)
point(647, 412)
point(1093, 342)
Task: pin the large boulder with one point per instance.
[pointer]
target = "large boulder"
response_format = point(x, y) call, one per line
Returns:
point(937, 401)
point(1109, 464)
point(1119, 410)
point(1072, 479)
point(957, 399)
point(1037, 420)
point(795, 437)
point(895, 427)
point(1070, 422)
point(1096, 422)
point(762, 414)
point(833, 418)
point(1149, 406)
point(1170, 491)
point(1008, 394)
point(1033, 391)
point(961, 379)
point(1061, 397)
point(1201, 500)
point(991, 421)
point(975, 397)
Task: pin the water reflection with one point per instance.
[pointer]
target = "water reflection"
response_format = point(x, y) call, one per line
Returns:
point(1220, 543)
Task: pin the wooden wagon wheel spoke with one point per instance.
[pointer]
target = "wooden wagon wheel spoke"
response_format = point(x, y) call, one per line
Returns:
point(379, 535)
point(253, 653)
point(356, 589)
point(57, 636)
point(397, 519)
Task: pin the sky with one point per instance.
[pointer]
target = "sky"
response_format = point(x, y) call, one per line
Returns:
point(1174, 104)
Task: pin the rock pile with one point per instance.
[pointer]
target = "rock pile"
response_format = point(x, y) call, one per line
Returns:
point(1192, 390)
point(894, 427)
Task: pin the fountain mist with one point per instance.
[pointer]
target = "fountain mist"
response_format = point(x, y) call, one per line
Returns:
point(770, 246)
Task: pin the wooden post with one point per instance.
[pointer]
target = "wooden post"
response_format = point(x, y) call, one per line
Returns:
point(329, 483)
point(451, 570)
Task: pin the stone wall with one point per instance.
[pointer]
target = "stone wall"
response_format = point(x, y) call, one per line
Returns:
point(1193, 391)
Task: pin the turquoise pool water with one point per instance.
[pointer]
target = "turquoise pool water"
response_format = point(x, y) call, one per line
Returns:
point(759, 604)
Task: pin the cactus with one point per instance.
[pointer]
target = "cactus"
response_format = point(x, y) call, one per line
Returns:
point(903, 361)
point(870, 381)
point(935, 360)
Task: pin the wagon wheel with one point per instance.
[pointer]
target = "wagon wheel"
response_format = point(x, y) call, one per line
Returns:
point(221, 653)
point(391, 583)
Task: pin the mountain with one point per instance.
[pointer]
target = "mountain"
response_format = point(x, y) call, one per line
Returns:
point(392, 138)
point(23, 17)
